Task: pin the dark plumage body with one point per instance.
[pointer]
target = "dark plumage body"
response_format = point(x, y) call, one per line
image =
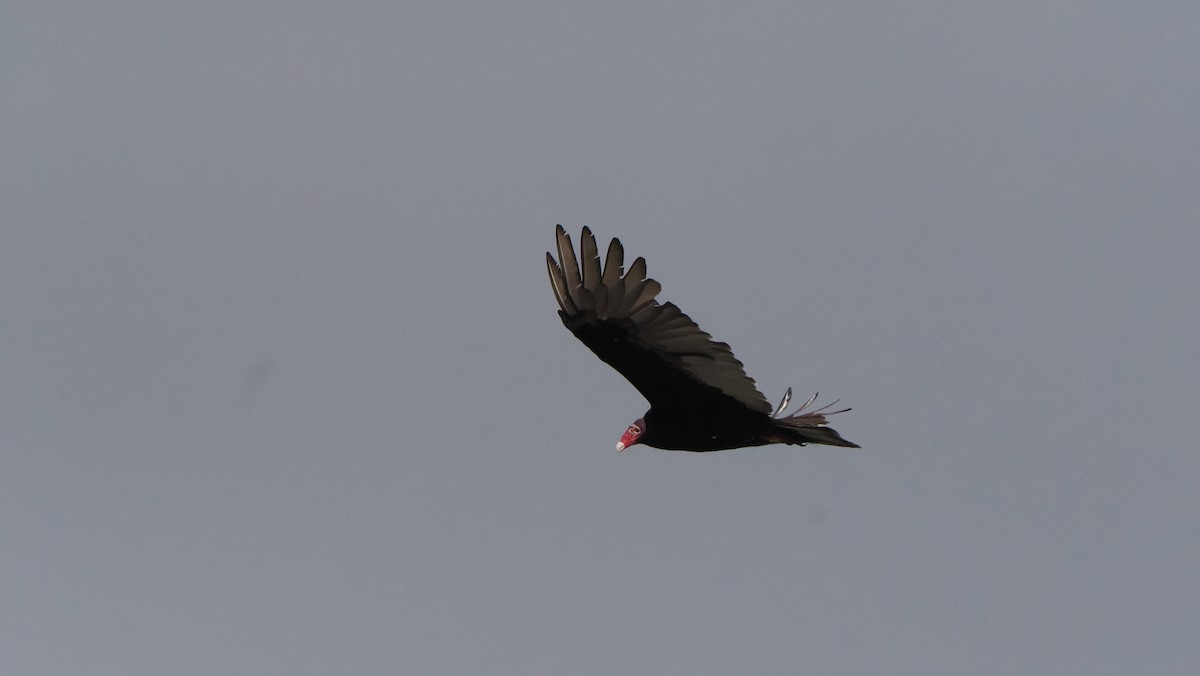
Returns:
point(706, 430)
point(701, 398)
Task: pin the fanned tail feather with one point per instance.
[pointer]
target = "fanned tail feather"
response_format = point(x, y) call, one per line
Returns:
point(808, 427)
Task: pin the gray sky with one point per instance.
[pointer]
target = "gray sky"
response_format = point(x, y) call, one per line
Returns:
point(284, 391)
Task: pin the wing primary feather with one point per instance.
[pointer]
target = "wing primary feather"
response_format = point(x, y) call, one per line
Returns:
point(807, 403)
point(589, 259)
point(634, 280)
point(592, 280)
point(566, 258)
point(635, 283)
point(610, 279)
point(787, 398)
point(637, 271)
point(614, 262)
point(559, 284)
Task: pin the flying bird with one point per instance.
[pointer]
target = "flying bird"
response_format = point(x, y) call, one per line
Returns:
point(700, 396)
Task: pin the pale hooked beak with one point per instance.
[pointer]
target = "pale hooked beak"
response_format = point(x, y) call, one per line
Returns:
point(620, 446)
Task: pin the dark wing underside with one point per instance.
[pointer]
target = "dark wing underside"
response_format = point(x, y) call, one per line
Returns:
point(661, 351)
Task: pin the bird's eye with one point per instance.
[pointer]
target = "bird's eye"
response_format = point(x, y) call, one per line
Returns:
point(634, 429)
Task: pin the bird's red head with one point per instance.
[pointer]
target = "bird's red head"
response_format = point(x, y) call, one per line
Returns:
point(632, 435)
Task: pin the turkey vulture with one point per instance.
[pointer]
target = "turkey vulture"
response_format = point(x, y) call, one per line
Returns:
point(700, 397)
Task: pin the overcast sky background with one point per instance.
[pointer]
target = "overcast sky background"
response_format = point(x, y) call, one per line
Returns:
point(283, 390)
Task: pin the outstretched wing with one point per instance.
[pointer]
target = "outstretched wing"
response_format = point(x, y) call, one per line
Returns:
point(655, 346)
